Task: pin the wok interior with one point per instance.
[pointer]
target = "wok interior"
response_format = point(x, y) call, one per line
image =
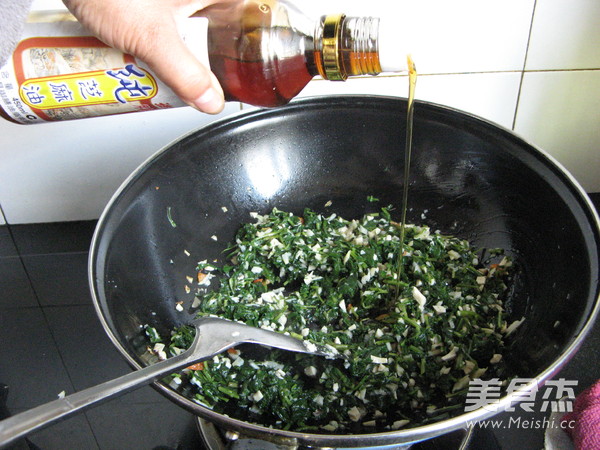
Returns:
point(468, 178)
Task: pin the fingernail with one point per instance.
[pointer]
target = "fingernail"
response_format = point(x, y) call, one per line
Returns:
point(210, 102)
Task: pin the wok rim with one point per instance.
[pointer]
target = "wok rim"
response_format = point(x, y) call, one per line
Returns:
point(406, 436)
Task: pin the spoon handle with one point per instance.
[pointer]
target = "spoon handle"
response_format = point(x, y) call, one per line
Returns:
point(28, 421)
point(213, 336)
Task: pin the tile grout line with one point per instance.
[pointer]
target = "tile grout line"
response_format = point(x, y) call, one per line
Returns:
point(66, 369)
point(61, 353)
point(77, 252)
point(514, 123)
point(2, 215)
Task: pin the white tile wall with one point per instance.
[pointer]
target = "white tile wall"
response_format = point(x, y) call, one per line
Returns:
point(490, 95)
point(565, 35)
point(560, 112)
point(69, 170)
point(473, 55)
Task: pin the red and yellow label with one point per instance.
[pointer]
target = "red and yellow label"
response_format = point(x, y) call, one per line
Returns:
point(120, 85)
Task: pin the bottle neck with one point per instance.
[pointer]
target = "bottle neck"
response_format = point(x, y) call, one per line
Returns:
point(347, 46)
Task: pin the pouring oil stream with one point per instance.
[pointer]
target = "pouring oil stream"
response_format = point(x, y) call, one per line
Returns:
point(412, 83)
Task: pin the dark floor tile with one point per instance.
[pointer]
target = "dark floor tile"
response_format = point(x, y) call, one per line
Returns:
point(30, 363)
point(38, 239)
point(72, 433)
point(88, 354)
point(59, 279)
point(148, 426)
point(512, 430)
point(140, 419)
point(7, 246)
point(15, 288)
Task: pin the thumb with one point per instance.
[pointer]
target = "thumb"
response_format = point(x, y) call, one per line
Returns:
point(174, 63)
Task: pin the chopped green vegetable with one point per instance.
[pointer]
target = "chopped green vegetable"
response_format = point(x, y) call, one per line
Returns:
point(170, 217)
point(408, 358)
point(153, 335)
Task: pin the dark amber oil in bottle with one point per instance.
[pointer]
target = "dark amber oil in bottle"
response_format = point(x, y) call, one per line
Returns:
point(257, 60)
point(261, 58)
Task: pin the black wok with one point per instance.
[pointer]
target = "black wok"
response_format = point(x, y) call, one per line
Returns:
point(469, 178)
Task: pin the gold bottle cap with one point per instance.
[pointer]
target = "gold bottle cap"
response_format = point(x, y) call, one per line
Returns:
point(331, 39)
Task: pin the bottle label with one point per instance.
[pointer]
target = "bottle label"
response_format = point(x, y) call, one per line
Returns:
point(59, 73)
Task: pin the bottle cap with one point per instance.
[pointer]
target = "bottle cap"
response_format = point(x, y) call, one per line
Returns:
point(331, 58)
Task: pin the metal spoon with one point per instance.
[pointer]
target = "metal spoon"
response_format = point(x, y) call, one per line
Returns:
point(213, 336)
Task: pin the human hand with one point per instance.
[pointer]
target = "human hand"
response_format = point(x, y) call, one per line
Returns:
point(149, 30)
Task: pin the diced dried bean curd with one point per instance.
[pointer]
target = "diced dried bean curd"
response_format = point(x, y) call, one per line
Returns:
point(332, 282)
